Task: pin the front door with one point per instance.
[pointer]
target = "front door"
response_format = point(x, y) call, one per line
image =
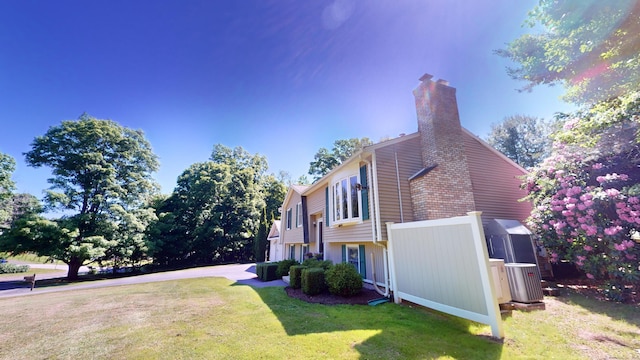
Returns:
point(320, 242)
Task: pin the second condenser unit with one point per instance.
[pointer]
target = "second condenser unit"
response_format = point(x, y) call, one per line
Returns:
point(524, 282)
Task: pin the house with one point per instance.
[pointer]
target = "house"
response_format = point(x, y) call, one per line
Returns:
point(275, 251)
point(440, 171)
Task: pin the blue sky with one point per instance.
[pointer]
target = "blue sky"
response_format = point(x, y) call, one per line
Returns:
point(279, 78)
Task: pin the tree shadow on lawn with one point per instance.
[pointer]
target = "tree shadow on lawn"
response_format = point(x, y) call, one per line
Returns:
point(591, 299)
point(401, 331)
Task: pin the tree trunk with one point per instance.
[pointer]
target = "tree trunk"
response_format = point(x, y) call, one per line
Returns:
point(74, 267)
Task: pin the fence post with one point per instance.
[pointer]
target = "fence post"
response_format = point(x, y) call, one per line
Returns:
point(493, 308)
point(392, 265)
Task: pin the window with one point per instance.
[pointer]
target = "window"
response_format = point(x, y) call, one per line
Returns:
point(298, 214)
point(289, 219)
point(292, 252)
point(304, 250)
point(355, 255)
point(346, 202)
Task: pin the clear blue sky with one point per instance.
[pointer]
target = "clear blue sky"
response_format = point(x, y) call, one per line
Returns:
point(279, 78)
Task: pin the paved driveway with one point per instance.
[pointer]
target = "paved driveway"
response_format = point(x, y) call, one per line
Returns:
point(240, 273)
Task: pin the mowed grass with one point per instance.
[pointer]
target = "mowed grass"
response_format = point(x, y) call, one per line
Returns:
point(211, 318)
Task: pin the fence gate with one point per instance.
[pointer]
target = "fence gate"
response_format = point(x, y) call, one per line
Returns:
point(443, 264)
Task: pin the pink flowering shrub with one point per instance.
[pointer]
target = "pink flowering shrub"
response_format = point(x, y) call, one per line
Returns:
point(586, 196)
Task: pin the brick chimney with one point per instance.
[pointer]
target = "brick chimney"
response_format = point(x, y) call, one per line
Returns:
point(443, 188)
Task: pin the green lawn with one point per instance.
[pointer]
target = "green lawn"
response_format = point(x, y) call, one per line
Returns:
point(213, 319)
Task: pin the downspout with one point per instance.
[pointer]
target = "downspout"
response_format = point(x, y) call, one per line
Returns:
point(395, 153)
point(377, 230)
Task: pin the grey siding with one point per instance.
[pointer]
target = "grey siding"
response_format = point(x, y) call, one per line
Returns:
point(496, 182)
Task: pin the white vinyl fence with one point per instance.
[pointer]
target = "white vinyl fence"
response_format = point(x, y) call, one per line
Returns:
point(443, 264)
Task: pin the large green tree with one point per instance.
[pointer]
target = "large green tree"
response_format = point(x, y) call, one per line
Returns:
point(523, 139)
point(18, 205)
point(7, 167)
point(101, 178)
point(591, 47)
point(213, 214)
point(325, 160)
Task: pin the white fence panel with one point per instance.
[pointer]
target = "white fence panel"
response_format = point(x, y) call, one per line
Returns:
point(443, 264)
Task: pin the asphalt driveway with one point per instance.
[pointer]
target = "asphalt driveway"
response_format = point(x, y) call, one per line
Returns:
point(243, 274)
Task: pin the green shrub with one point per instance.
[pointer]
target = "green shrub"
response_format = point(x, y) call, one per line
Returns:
point(295, 275)
point(313, 281)
point(315, 263)
point(344, 280)
point(6, 268)
point(283, 267)
point(266, 271)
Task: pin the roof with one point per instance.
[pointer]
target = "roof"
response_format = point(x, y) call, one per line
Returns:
point(294, 188)
point(274, 233)
point(299, 188)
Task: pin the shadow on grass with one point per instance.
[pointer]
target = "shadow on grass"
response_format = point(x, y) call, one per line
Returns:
point(398, 331)
point(629, 313)
point(14, 284)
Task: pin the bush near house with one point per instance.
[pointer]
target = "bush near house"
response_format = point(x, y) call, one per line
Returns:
point(283, 267)
point(295, 275)
point(316, 263)
point(312, 281)
point(267, 271)
point(344, 280)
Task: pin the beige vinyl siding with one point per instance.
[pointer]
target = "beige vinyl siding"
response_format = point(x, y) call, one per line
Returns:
point(334, 252)
point(495, 181)
point(409, 163)
point(316, 201)
point(295, 234)
point(359, 232)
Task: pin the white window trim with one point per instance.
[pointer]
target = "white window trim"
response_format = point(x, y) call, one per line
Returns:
point(357, 248)
point(288, 218)
point(333, 202)
point(299, 214)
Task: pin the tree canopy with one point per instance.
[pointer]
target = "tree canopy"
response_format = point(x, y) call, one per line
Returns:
point(7, 167)
point(523, 139)
point(586, 195)
point(325, 160)
point(101, 177)
point(591, 47)
point(214, 213)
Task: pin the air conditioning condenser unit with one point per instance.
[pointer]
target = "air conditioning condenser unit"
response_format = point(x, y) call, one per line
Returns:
point(524, 282)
